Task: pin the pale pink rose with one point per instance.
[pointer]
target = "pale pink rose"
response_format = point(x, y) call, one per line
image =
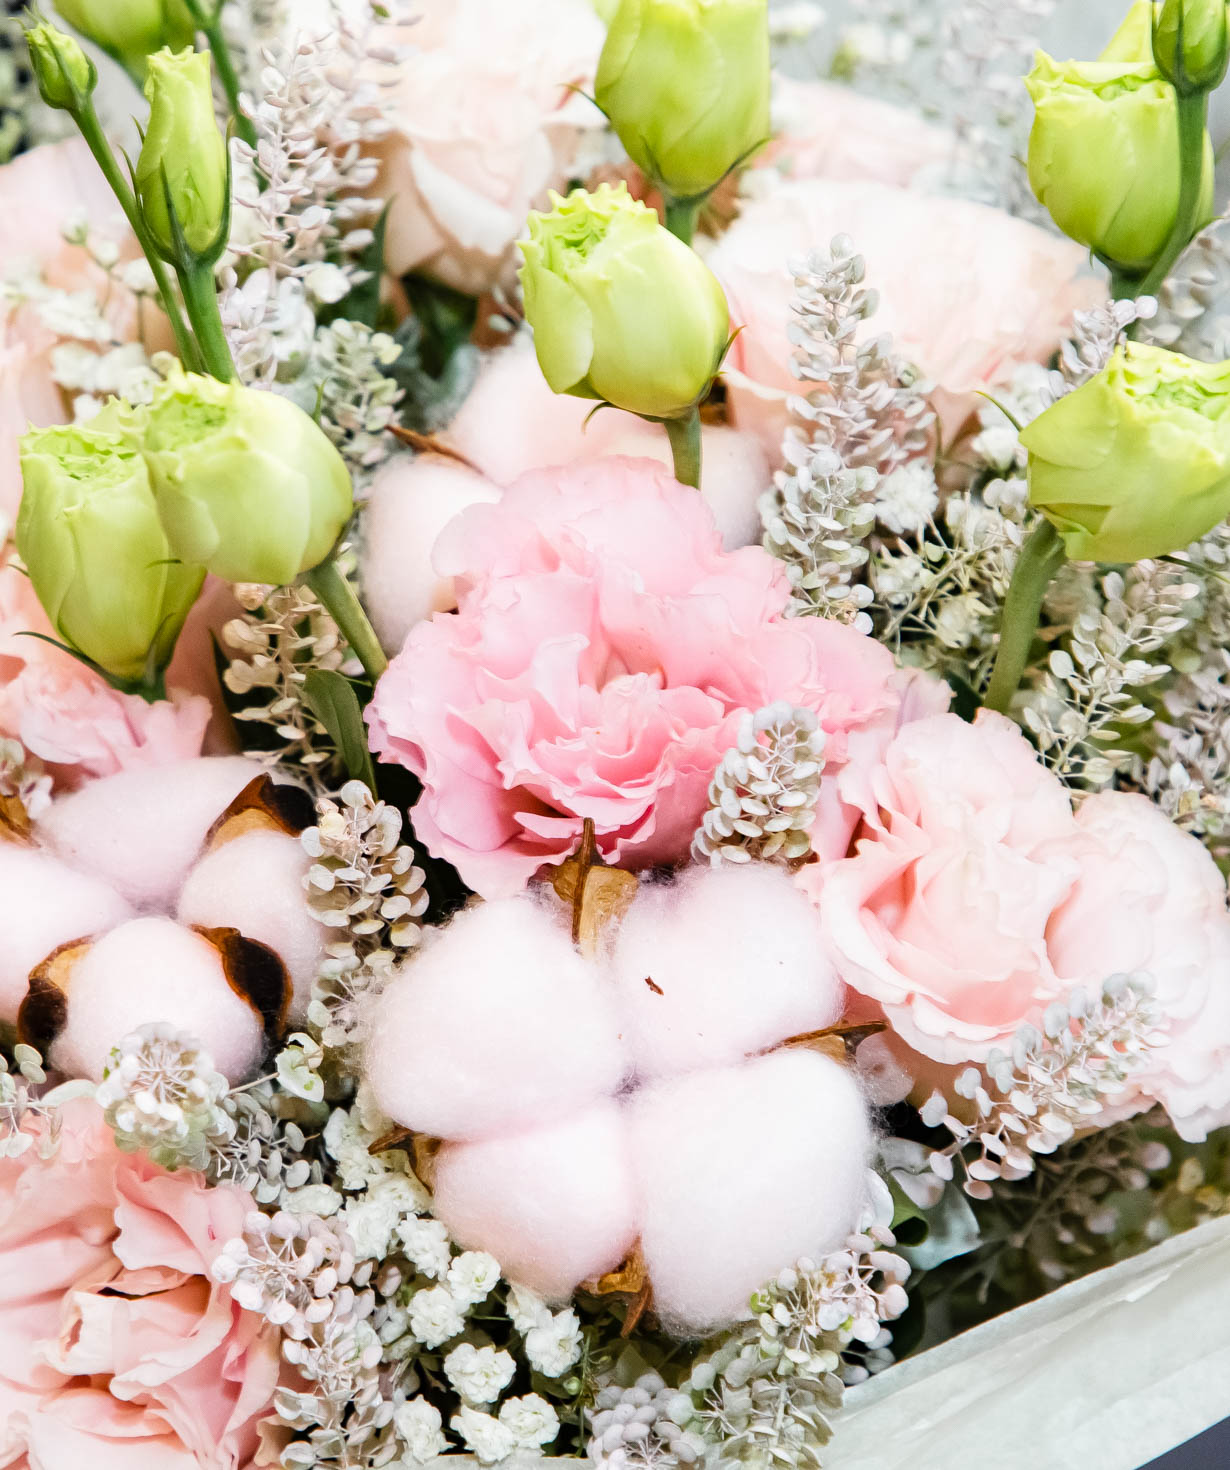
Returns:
point(966, 291)
point(485, 121)
point(68, 716)
point(941, 915)
point(39, 191)
point(827, 131)
point(1150, 899)
point(604, 652)
point(116, 1347)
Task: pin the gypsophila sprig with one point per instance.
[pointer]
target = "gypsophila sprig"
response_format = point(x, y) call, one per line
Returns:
point(1055, 1081)
point(162, 1096)
point(281, 637)
point(363, 883)
point(762, 799)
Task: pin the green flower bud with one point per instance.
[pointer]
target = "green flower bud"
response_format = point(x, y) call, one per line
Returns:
point(64, 73)
point(131, 29)
point(1103, 156)
point(1136, 462)
point(686, 86)
point(621, 310)
point(89, 533)
point(183, 155)
point(1191, 44)
point(1133, 41)
point(247, 484)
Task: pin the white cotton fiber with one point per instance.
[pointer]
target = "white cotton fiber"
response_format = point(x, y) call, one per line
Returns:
point(142, 829)
point(742, 1171)
point(44, 904)
point(153, 970)
point(719, 964)
point(499, 1025)
point(410, 502)
point(254, 883)
point(554, 1206)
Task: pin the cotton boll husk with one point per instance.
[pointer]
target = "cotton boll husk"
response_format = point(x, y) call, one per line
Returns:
point(742, 1171)
point(254, 883)
point(555, 1206)
point(409, 503)
point(153, 970)
point(498, 1025)
point(737, 955)
point(44, 904)
point(142, 829)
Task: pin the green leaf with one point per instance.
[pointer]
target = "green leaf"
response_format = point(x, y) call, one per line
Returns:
point(332, 699)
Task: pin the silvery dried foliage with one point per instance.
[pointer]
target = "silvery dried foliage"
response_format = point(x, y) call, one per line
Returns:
point(1193, 314)
point(29, 1110)
point(1089, 691)
point(363, 884)
point(1055, 1081)
point(865, 416)
point(762, 799)
point(282, 635)
point(346, 384)
point(162, 1096)
point(268, 1148)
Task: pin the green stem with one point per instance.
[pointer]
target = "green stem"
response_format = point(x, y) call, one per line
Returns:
point(228, 76)
point(1041, 557)
point(1122, 286)
point(684, 435)
point(338, 596)
point(1193, 121)
point(681, 217)
point(96, 141)
point(201, 299)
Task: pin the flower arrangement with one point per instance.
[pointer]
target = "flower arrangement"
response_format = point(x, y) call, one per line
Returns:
point(614, 714)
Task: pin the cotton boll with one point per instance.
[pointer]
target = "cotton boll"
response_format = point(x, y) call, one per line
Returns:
point(410, 502)
point(742, 1171)
point(151, 970)
point(722, 963)
point(254, 883)
point(44, 904)
point(498, 1025)
point(142, 829)
point(554, 1206)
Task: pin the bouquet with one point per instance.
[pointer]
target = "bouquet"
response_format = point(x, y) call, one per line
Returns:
point(614, 713)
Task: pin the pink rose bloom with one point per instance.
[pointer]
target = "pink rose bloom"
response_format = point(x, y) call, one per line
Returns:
point(1149, 898)
point(826, 131)
point(966, 291)
point(38, 192)
point(117, 1350)
point(485, 122)
point(604, 652)
point(941, 915)
point(68, 716)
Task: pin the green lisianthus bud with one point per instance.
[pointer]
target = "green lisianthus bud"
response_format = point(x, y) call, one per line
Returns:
point(131, 29)
point(64, 73)
point(621, 310)
point(1103, 154)
point(686, 86)
point(1136, 462)
point(89, 533)
point(1191, 44)
point(1133, 41)
point(247, 484)
point(183, 155)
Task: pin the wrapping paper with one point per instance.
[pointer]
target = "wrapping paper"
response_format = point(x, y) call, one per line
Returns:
point(1104, 1374)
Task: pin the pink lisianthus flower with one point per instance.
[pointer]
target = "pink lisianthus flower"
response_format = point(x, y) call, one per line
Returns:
point(67, 715)
point(966, 291)
point(604, 652)
point(117, 1350)
point(941, 914)
point(1149, 899)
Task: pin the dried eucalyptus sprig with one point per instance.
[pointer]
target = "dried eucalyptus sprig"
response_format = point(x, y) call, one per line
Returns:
point(1055, 1081)
point(762, 799)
